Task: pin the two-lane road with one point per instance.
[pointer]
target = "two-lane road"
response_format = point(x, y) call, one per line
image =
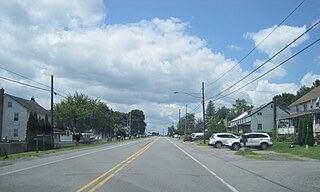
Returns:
point(152, 164)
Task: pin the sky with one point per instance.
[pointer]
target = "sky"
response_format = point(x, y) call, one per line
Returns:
point(136, 54)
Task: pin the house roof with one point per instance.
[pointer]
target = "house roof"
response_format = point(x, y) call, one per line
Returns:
point(312, 95)
point(255, 110)
point(30, 105)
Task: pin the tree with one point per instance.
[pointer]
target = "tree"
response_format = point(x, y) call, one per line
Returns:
point(78, 113)
point(210, 110)
point(186, 124)
point(285, 99)
point(238, 108)
point(171, 130)
point(138, 126)
point(302, 91)
point(300, 131)
point(309, 135)
point(222, 112)
point(120, 118)
point(102, 120)
point(198, 125)
point(32, 130)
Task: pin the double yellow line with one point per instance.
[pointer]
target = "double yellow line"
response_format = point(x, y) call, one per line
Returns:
point(105, 177)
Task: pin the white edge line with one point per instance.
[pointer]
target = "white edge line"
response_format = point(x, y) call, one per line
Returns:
point(56, 161)
point(205, 167)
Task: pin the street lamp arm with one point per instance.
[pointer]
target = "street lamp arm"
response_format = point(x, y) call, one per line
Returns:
point(176, 92)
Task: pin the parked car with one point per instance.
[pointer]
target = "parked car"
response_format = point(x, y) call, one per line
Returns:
point(187, 138)
point(258, 140)
point(196, 136)
point(219, 139)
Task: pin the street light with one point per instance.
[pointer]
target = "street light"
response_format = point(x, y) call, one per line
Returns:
point(176, 92)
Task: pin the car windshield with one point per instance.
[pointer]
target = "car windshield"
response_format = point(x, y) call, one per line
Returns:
point(149, 96)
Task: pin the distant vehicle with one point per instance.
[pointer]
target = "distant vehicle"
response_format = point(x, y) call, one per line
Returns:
point(258, 140)
point(196, 136)
point(187, 138)
point(219, 139)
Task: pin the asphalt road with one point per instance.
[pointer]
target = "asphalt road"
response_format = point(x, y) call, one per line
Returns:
point(157, 164)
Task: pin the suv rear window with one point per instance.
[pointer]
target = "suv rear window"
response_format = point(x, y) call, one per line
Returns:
point(257, 136)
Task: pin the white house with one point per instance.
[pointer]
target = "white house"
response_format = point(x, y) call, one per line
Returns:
point(14, 115)
point(308, 104)
point(262, 118)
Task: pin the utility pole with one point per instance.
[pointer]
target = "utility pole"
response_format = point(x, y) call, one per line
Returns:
point(185, 123)
point(51, 111)
point(204, 115)
point(179, 116)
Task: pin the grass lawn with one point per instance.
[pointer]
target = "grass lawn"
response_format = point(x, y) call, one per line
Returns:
point(252, 155)
point(66, 147)
point(200, 142)
point(301, 151)
point(284, 150)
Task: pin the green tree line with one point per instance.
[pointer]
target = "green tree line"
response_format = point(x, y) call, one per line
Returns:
point(79, 113)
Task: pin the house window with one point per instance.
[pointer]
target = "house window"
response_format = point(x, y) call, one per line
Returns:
point(271, 106)
point(297, 108)
point(259, 126)
point(305, 107)
point(259, 113)
point(9, 104)
point(16, 117)
point(15, 133)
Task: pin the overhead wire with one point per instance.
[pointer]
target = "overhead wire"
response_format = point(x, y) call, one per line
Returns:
point(15, 73)
point(284, 48)
point(305, 48)
point(255, 47)
point(32, 86)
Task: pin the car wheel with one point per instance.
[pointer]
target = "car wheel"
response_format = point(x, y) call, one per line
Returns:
point(236, 146)
point(263, 146)
point(218, 145)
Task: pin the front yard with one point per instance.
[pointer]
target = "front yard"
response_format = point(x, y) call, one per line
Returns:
point(301, 151)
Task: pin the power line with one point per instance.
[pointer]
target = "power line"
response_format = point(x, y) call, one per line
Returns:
point(271, 69)
point(314, 25)
point(18, 82)
point(28, 85)
point(254, 48)
point(31, 80)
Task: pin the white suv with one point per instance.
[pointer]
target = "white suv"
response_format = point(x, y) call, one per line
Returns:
point(258, 140)
point(219, 139)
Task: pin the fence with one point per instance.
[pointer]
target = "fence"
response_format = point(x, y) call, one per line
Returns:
point(10, 148)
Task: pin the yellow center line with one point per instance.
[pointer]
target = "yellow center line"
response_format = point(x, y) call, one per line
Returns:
point(122, 167)
point(124, 163)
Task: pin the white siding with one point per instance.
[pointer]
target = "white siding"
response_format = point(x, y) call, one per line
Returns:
point(9, 125)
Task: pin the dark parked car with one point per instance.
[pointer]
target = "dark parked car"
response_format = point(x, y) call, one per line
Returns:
point(187, 138)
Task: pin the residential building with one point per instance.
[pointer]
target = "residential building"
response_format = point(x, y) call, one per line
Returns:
point(260, 119)
point(14, 115)
point(306, 105)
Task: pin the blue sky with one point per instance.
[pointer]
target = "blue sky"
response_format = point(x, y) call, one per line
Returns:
point(224, 23)
point(136, 54)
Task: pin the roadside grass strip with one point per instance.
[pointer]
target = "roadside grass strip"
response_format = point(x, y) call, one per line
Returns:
point(252, 155)
point(301, 151)
point(105, 177)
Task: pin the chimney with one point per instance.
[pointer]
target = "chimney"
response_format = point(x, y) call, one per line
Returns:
point(1, 110)
point(32, 99)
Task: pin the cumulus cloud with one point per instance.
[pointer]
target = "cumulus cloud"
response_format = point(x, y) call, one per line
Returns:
point(130, 66)
point(264, 91)
point(309, 78)
point(234, 47)
point(135, 65)
point(281, 36)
